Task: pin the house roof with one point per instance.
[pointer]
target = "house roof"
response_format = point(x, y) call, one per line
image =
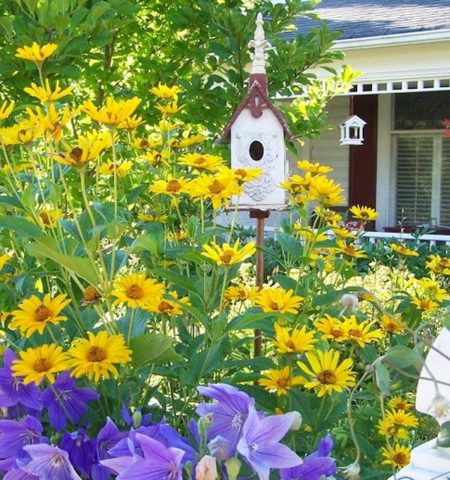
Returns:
point(378, 18)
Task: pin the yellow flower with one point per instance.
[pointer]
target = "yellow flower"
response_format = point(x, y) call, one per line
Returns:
point(342, 232)
point(246, 174)
point(425, 304)
point(114, 113)
point(314, 168)
point(308, 234)
point(169, 108)
point(90, 147)
point(327, 375)
point(34, 314)
point(164, 91)
point(46, 94)
point(187, 141)
point(228, 254)
point(433, 289)
point(22, 133)
point(152, 217)
point(177, 236)
point(330, 217)
point(278, 300)
point(5, 110)
point(391, 324)
point(146, 143)
point(36, 364)
point(396, 423)
point(97, 355)
point(349, 249)
point(156, 158)
point(131, 122)
point(241, 293)
point(201, 161)
point(360, 333)
point(402, 250)
point(325, 191)
point(437, 264)
point(293, 341)
point(35, 52)
point(136, 290)
point(52, 122)
point(397, 456)
point(49, 217)
point(331, 328)
point(399, 403)
point(167, 306)
point(280, 381)
point(219, 188)
point(122, 169)
point(297, 184)
point(172, 186)
point(366, 214)
point(4, 259)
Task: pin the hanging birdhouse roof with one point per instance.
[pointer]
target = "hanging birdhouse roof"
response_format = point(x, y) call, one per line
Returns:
point(354, 121)
point(256, 101)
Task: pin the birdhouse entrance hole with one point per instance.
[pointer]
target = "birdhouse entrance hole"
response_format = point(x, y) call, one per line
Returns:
point(256, 150)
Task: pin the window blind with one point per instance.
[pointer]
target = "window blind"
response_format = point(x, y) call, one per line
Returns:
point(445, 183)
point(414, 178)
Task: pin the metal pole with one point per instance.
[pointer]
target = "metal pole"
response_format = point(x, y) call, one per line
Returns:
point(260, 216)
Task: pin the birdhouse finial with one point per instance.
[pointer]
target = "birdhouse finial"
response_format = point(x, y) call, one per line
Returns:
point(260, 45)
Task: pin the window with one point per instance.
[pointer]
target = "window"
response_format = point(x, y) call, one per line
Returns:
point(422, 159)
point(423, 179)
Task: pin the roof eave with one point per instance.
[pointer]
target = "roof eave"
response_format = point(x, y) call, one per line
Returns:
point(427, 36)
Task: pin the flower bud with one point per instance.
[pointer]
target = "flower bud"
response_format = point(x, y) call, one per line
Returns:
point(297, 421)
point(206, 468)
point(137, 418)
point(203, 425)
point(349, 301)
point(233, 466)
point(219, 447)
point(352, 471)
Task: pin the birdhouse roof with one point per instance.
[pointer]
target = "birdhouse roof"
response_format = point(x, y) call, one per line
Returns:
point(354, 120)
point(256, 101)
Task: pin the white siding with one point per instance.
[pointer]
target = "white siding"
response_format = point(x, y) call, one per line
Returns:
point(326, 148)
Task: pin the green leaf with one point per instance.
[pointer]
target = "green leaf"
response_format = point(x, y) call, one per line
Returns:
point(153, 348)
point(403, 357)
point(383, 378)
point(152, 242)
point(251, 319)
point(80, 266)
point(20, 225)
point(98, 10)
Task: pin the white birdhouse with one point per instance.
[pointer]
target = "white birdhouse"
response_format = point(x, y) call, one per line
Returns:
point(257, 133)
point(352, 131)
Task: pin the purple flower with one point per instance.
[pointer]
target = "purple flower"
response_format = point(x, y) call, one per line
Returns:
point(260, 445)
point(314, 466)
point(15, 434)
point(65, 401)
point(107, 437)
point(49, 463)
point(81, 450)
point(12, 390)
point(159, 462)
point(228, 413)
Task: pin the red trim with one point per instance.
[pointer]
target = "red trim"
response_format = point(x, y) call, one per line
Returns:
point(363, 158)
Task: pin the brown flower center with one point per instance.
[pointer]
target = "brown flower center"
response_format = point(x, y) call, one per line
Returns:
point(42, 365)
point(216, 187)
point(165, 307)
point(76, 154)
point(227, 256)
point(283, 382)
point(144, 144)
point(274, 306)
point(327, 377)
point(400, 458)
point(135, 292)
point(200, 161)
point(173, 186)
point(42, 313)
point(91, 294)
point(96, 354)
point(240, 172)
point(354, 332)
point(336, 332)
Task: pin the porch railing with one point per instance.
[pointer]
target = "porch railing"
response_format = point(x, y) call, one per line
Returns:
point(372, 237)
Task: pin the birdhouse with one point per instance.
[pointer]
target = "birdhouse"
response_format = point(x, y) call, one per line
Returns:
point(257, 132)
point(352, 130)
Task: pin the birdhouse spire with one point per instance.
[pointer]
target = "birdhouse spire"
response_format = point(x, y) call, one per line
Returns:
point(259, 55)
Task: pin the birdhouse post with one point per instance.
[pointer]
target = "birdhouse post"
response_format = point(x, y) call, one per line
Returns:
point(257, 133)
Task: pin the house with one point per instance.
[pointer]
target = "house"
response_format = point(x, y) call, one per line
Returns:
point(402, 48)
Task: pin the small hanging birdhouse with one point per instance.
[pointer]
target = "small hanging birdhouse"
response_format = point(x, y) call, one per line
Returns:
point(352, 131)
point(257, 133)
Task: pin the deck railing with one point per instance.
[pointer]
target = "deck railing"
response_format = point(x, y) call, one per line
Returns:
point(430, 238)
